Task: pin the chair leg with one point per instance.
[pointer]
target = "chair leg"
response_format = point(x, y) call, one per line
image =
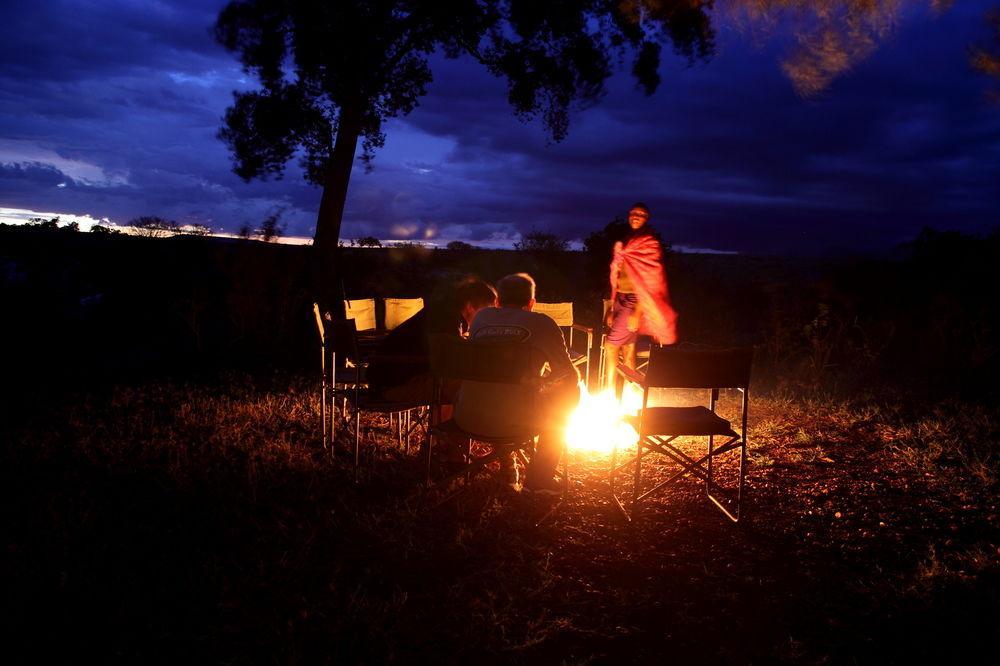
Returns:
point(357, 445)
point(743, 476)
point(322, 415)
point(711, 456)
point(429, 441)
point(333, 422)
point(638, 476)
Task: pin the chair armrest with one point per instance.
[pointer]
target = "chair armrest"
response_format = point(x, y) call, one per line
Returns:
point(398, 358)
point(589, 330)
point(631, 374)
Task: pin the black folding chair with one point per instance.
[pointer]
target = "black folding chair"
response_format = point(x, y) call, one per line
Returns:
point(660, 427)
point(513, 364)
point(344, 378)
point(334, 382)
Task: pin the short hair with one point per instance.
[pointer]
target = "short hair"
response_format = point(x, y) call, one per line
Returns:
point(475, 291)
point(516, 290)
point(641, 206)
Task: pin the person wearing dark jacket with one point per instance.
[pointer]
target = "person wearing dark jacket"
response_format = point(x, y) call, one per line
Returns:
point(399, 371)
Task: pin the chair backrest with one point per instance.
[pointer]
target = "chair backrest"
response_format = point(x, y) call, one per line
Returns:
point(499, 362)
point(670, 367)
point(343, 336)
point(398, 310)
point(362, 311)
point(561, 313)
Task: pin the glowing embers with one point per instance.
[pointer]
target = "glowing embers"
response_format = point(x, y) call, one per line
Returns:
point(597, 423)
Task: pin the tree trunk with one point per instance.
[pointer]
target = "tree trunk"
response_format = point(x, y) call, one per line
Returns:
point(331, 210)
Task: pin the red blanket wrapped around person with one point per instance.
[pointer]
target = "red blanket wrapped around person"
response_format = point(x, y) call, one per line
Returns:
point(642, 257)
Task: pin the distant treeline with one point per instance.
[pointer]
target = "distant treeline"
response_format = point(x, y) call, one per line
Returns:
point(92, 307)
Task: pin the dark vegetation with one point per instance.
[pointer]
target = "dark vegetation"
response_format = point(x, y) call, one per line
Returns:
point(330, 74)
point(165, 496)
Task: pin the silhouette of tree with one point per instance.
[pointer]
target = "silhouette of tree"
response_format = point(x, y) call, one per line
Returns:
point(600, 243)
point(369, 241)
point(271, 228)
point(153, 227)
point(331, 72)
point(41, 224)
point(459, 245)
point(541, 241)
point(102, 229)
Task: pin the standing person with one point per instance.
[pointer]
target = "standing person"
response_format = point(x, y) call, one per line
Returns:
point(640, 301)
point(498, 410)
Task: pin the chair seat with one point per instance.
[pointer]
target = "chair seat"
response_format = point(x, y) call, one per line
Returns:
point(350, 376)
point(450, 427)
point(368, 402)
point(576, 357)
point(682, 421)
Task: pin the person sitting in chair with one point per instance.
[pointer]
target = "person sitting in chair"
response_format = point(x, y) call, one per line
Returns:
point(399, 371)
point(499, 410)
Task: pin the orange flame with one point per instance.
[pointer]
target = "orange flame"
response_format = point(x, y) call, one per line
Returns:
point(598, 423)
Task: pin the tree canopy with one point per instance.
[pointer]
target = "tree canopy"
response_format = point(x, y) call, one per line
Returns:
point(541, 241)
point(330, 72)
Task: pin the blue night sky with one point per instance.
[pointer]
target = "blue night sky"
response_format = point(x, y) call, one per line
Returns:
point(110, 109)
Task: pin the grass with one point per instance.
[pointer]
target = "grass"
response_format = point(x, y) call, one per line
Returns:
point(167, 522)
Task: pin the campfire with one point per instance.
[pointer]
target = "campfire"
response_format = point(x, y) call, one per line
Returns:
point(597, 423)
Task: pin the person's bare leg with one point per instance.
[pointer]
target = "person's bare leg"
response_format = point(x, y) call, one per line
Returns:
point(628, 355)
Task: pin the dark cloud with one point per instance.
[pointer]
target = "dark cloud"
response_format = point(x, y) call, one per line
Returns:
point(120, 103)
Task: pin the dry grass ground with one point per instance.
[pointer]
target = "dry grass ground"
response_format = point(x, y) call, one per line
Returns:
point(205, 523)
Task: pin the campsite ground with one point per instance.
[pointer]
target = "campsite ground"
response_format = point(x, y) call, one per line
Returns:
point(171, 521)
point(164, 495)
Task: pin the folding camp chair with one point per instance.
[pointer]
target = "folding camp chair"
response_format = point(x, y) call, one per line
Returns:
point(333, 382)
point(398, 310)
point(660, 427)
point(509, 363)
point(562, 314)
point(349, 383)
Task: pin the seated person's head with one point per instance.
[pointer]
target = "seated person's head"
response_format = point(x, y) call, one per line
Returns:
point(517, 291)
point(472, 295)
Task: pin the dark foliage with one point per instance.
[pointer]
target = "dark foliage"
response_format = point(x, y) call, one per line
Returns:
point(271, 228)
point(154, 227)
point(331, 73)
point(541, 241)
point(367, 241)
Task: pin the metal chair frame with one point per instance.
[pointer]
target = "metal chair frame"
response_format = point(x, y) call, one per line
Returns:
point(339, 338)
point(689, 369)
point(508, 363)
point(570, 325)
